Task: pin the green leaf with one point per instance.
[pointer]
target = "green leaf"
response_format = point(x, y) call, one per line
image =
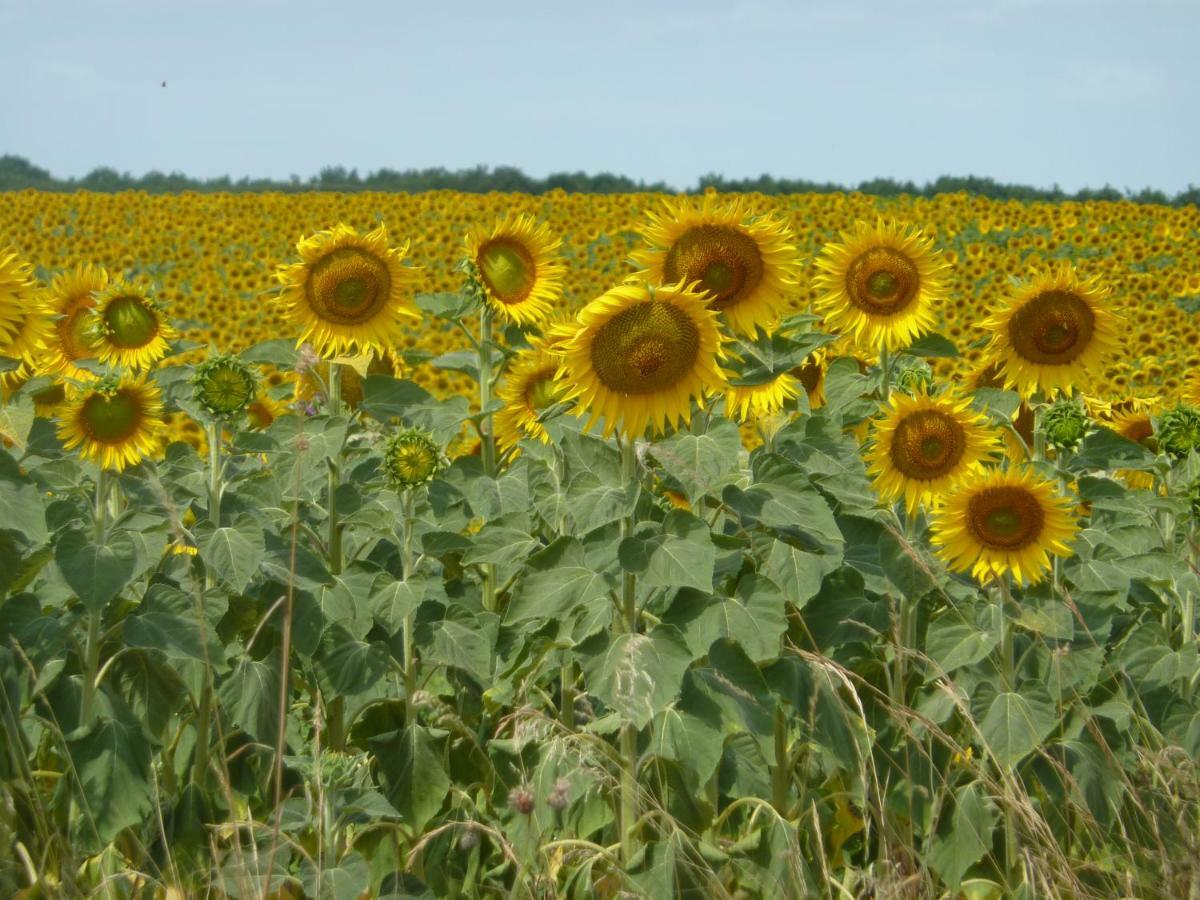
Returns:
point(1102, 448)
point(556, 581)
point(499, 544)
point(766, 357)
point(280, 352)
point(755, 617)
point(701, 463)
point(234, 553)
point(96, 573)
point(683, 555)
point(466, 648)
point(393, 600)
point(250, 695)
point(446, 305)
point(635, 674)
point(169, 621)
point(22, 507)
point(932, 345)
point(953, 643)
point(689, 733)
point(1015, 726)
point(385, 398)
point(351, 666)
point(968, 838)
point(410, 765)
point(797, 572)
point(112, 758)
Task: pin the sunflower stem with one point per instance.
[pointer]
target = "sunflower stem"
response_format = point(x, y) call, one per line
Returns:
point(487, 437)
point(204, 708)
point(1009, 676)
point(91, 653)
point(214, 473)
point(885, 369)
point(335, 473)
point(627, 623)
point(410, 659)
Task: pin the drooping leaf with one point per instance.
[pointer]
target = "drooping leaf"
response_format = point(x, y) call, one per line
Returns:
point(96, 572)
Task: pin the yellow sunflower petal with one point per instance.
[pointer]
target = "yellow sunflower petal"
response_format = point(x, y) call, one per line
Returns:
point(519, 267)
point(113, 423)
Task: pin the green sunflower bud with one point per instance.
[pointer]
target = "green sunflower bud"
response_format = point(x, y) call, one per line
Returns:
point(1064, 424)
point(410, 458)
point(224, 385)
point(1178, 430)
point(915, 377)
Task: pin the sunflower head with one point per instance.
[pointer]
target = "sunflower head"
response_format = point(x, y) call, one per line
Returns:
point(114, 422)
point(410, 458)
point(1053, 334)
point(1179, 430)
point(349, 293)
point(530, 387)
point(127, 328)
point(17, 290)
point(1065, 423)
point(516, 268)
point(925, 445)
point(641, 356)
point(1001, 522)
point(811, 375)
point(746, 266)
point(759, 401)
point(224, 385)
point(879, 284)
point(70, 300)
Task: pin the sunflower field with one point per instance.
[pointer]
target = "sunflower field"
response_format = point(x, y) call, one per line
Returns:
point(457, 545)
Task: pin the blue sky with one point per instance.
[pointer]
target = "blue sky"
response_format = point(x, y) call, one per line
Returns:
point(1074, 92)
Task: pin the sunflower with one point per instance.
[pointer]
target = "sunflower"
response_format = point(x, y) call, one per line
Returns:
point(529, 387)
point(265, 409)
point(518, 268)
point(641, 356)
point(1004, 521)
point(743, 402)
point(1136, 425)
point(1191, 390)
point(349, 293)
point(17, 287)
point(1053, 334)
point(925, 445)
point(748, 266)
point(879, 284)
point(811, 374)
point(70, 299)
point(115, 423)
point(27, 344)
point(127, 328)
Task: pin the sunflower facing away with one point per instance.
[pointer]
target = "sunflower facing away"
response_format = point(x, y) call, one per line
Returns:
point(127, 328)
point(1053, 333)
point(529, 387)
point(746, 402)
point(114, 423)
point(28, 343)
point(71, 297)
point(1137, 425)
point(641, 356)
point(518, 267)
point(925, 445)
point(349, 293)
point(811, 373)
point(879, 284)
point(1004, 521)
point(748, 266)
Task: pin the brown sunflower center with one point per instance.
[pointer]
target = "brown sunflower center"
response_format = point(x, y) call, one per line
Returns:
point(1052, 328)
point(131, 322)
point(348, 286)
point(111, 419)
point(927, 444)
point(882, 281)
point(809, 373)
point(508, 269)
point(1139, 429)
point(542, 390)
point(1005, 518)
point(725, 260)
point(646, 348)
point(74, 333)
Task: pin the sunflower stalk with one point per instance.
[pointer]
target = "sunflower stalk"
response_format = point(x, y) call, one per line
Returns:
point(627, 623)
point(1009, 676)
point(91, 661)
point(885, 373)
point(487, 434)
point(335, 474)
point(410, 659)
point(204, 708)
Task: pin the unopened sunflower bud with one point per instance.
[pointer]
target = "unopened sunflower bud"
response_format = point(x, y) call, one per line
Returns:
point(1179, 430)
point(915, 377)
point(1064, 424)
point(410, 457)
point(224, 385)
point(521, 799)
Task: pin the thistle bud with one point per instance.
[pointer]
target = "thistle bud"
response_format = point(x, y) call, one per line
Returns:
point(521, 799)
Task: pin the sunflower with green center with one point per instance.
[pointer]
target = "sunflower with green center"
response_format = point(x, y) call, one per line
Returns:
point(879, 284)
point(745, 402)
point(748, 266)
point(70, 299)
point(926, 445)
point(518, 267)
point(529, 388)
point(349, 293)
point(114, 422)
point(1053, 334)
point(641, 356)
point(127, 328)
point(1001, 522)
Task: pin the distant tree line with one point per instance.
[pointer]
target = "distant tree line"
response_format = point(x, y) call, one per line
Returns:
point(17, 173)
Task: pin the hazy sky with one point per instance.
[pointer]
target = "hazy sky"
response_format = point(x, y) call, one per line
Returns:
point(1078, 92)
